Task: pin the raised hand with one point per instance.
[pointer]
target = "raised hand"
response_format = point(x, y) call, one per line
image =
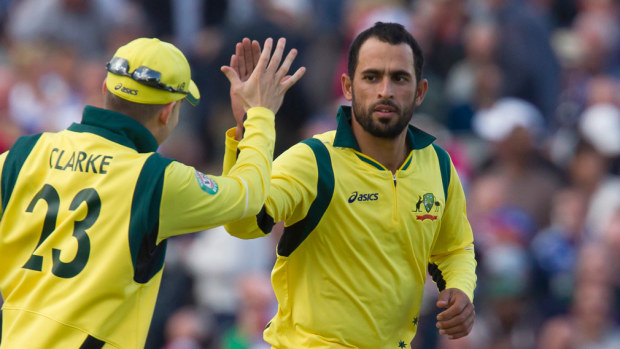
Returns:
point(267, 83)
point(243, 62)
point(458, 318)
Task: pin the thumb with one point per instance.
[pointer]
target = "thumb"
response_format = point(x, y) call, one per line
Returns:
point(231, 74)
point(444, 299)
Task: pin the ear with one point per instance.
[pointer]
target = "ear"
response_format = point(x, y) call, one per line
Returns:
point(104, 87)
point(165, 112)
point(420, 92)
point(347, 90)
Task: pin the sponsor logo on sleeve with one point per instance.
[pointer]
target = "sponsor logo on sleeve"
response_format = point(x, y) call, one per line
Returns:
point(206, 183)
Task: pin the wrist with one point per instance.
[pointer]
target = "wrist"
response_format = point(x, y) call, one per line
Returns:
point(239, 132)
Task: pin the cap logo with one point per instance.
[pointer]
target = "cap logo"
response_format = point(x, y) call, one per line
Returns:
point(124, 89)
point(207, 184)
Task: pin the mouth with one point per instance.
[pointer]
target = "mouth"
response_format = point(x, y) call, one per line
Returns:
point(384, 110)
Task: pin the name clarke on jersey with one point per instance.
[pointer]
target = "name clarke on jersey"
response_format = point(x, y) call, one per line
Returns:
point(79, 161)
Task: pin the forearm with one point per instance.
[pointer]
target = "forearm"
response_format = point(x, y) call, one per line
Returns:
point(255, 154)
point(456, 269)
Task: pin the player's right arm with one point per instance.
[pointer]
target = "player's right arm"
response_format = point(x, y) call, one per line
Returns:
point(192, 201)
point(293, 189)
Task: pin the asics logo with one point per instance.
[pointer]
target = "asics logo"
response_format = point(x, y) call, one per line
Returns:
point(355, 196)
point(125, 89)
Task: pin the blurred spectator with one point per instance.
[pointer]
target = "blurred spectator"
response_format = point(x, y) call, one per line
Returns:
point(448, 19)
point(555, 250)
point(41, 99)
point(9, 130)
point(590, 323)
point(80, 23)
point(611, 240)
point(505, 319)
point(216, 262)
point(598, 26)
point(186, 330)
point(257, 306)
point(591, 166)
point(468, 79)
point(514, 129)
point(525, 56)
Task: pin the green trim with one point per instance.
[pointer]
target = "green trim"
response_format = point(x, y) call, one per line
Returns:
point(345, 138)
point(294, 235)
point(116, 127)
point(371, 162)
point(92, 343)
point(344, 133)
point(408, 162)
point(420, 138)
point(147, 257)
point(444, 167)
point(192, 100)
point(13, 163)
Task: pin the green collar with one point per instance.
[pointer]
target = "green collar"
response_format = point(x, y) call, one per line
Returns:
point(116, 127)
point(416, 138)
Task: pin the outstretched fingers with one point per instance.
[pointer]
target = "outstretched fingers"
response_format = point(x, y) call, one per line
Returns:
point(240, 54)
point(248, 57)
point(263, 59)
point(231, 71)
point(290, 80)
point(255, 52)
point(276, 58)
point(286, 65)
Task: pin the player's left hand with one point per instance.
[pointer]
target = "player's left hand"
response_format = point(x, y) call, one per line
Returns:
point(458, 318)
point(243, 62)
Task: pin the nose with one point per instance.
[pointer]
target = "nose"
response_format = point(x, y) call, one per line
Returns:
point(386, 89)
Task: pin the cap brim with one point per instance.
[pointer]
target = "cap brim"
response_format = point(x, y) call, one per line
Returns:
point(193, 97)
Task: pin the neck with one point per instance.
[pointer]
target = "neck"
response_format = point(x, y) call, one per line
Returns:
point(391, 153)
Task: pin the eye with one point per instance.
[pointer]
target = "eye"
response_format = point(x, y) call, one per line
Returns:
point(369, 77)
point(401, 78)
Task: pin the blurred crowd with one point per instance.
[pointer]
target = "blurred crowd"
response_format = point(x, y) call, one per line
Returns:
point(524, 95)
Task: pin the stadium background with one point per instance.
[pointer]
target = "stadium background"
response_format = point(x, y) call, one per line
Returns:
point(525, 95)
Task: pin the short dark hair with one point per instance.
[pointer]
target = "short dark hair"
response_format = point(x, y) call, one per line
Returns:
point(138, 111)
point(392, 33)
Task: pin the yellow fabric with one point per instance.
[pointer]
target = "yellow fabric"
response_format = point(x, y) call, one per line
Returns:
point(44, 310)
point(241, 191)
point(357, 280)
point(156, 55)
point(102, 299)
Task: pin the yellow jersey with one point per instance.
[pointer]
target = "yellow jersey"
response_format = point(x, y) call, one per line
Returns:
point(358, 240)
point(84, 218)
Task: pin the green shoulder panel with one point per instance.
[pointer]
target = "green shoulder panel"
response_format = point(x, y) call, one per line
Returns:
point(444, 167)
point(13, 163)
point(294, 235)
point(146, 255)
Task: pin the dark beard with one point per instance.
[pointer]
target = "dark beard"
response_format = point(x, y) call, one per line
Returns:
point(380, 129)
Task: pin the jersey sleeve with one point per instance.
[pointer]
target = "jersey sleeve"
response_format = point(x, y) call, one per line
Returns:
point(292, 191)
point(2, 159)
point(452, 263)
point(192, 201)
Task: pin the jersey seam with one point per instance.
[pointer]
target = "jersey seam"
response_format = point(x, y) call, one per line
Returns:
point(5, 307)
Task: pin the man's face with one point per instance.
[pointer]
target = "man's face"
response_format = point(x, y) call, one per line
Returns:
point(384, 90)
